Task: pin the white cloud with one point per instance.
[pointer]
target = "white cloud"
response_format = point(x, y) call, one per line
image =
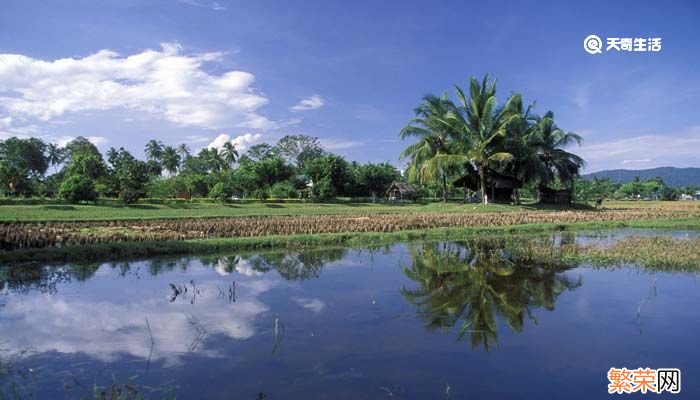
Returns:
point(242, 267)
point(107, 330)
point(213, 5)
point(311, 103)
point(640, 161)
point(582, 97)
point(333, 144)
point(165, 83)
point(242, 142)
point(5, 122)
point(196, 139)
point(646, 151)
point(315, 305)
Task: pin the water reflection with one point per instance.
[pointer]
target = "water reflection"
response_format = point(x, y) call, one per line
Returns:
point(340, 323)
point(466, 285)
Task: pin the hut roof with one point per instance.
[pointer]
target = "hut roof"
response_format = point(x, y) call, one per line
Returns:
point(402, 187)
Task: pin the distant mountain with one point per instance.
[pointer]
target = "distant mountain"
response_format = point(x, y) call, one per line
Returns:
point(672, 176)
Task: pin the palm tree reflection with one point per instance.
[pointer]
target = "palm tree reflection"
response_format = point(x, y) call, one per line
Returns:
point(468, 284)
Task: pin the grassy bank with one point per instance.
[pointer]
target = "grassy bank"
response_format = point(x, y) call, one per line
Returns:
point(137, 250)
point(116, 211)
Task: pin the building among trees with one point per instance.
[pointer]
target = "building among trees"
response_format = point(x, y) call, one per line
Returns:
point(401, 191)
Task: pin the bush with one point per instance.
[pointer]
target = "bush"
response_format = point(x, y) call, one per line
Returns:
point(323, 190)
point(130, 195)
point(77, 188)
point(160, 188)
point(283, 190)
point(220, 192)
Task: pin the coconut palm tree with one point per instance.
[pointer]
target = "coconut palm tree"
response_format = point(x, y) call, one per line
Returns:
point(183, 150)
point(479, 126)
point(522, 141)
point(112, 155)
point(154, 150)
point(212, 158)
point(55, 155)
point(229, 153)
point(558, 163)
point(432, 128)
point(170, 159)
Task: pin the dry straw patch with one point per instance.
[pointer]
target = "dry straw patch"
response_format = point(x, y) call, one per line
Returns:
point(53, 234)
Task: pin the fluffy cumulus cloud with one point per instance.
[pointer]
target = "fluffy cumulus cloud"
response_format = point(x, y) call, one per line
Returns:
point(241, 142)
point(311, 103)
point(166, 83)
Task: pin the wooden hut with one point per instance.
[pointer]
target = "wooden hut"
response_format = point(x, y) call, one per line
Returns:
point(499, 187)
point(401, 191)
point(554, 196)
point(183, 195)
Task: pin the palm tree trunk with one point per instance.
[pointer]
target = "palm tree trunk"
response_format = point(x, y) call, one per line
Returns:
point(482, 177)
point(444, 187)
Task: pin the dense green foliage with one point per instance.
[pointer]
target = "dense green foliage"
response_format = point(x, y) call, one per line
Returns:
point(297, 166)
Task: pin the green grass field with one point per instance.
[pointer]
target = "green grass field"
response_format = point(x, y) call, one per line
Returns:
point(67, 212)
point(116, 211)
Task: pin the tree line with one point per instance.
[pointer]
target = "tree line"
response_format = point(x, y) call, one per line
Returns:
point(295, 166)
point(650, 189)
point(475, 137)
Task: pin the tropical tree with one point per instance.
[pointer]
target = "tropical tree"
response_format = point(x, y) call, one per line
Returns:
point(558, 163)
point(21, 162)
point(170, 160)
point(329, 174)
point(212, 159)
point(298, 149)
point(55, 155)
point(479, 126)
point(433, 128)
point(522, 140)
point(154, 150)
point(112, 155)
point(229, 153)
point(184, 151)
point(374, 179)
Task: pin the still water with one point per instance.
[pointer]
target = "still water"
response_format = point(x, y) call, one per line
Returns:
point(409, 321)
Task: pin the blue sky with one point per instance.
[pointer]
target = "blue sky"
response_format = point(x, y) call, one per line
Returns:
point(204, 72)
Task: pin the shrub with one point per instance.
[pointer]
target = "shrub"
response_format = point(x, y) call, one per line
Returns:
point(77, 188)
point(283, 190)
point(323, 190)
point(160, 188)
point(220, 192)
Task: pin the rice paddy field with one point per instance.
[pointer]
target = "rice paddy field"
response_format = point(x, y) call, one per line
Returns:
point(65, 227)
